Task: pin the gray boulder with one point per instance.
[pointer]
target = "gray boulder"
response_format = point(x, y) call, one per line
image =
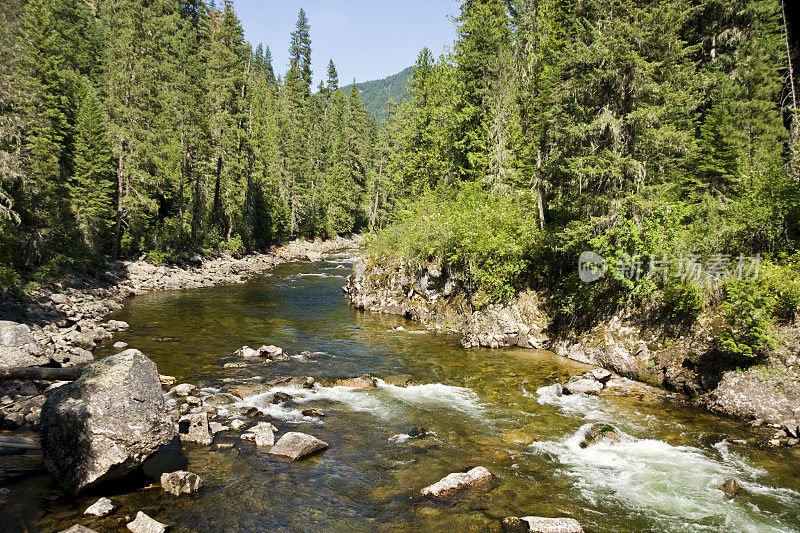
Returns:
point(18, 347)
point(295, 445)
point(181, 482)
point(584, 384)
point(457, 481)
point(106, 424)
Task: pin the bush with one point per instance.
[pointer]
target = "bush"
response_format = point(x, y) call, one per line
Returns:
point(682, 299)
point(491, 237)
point(783, 281)
point(747, 312)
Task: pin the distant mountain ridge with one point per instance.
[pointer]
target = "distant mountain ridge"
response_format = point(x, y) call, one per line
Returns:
point(376, 93)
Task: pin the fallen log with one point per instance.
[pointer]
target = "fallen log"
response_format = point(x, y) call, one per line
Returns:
point(40, 373)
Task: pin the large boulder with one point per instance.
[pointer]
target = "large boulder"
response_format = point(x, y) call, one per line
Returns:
point(457, 481)
point(18, 346)
point(294, 445)
point(106, 424)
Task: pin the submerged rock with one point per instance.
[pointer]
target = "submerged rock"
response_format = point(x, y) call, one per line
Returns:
point(295, 445)
point(145, 524)
point(104, 425)
point(418, 432)
point(539, 524)
point(457, 481)
point(101, 507)
point(600, 433)
point(181, 482)
point(184, 389)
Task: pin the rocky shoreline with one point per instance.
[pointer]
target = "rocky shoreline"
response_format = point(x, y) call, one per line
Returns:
point(59, 325)
point(636, 347)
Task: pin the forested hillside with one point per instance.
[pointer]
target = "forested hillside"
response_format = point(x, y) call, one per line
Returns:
point(376, 94)
point(662, 135)
point(131, 126)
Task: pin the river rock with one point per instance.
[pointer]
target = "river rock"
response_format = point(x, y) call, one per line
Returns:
point(274, 353)
point(295, 445)
point(145, 524)
point(362, 382)
point(18, 347)
point(730, 488)
point(195, 428)
point(599, 433)
point(77, 528)
point(246, 351)
point(101, 507)
point(583, 385)
point(457, 481)
point(184, 389)
point(246, 389)
point(313, 413)
point(263, 434)
point(792, 428)
point(281, 397)
point(104, 425)
point(220, 400)
point(601, 374)
point(181, 482)
point(539, 524)
point(120, 345)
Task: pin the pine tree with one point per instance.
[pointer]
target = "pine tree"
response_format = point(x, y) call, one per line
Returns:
point(300, 49)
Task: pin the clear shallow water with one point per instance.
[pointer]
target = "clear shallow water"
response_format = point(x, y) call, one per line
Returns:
point(491, 408)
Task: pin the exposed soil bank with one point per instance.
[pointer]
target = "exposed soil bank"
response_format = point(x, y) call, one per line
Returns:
point(645, 348)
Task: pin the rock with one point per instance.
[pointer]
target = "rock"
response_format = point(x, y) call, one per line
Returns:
point(246, 389)
point(184, 389)
point(263, 433)
point(219, 400)
point(362, 382)
point(246, 351)
point(106, 424)
point(238, 424)
point(118, 325)
point(59, 299)
point(101, 507)
point(281, 397)
point(418, 432)
point(145, 524)
point(583, 385)
point(234, 365)
point(181, 482)
point(599, 433)
point(516, 436)
point(757, 423)
point(295, 445)
point(314, 257)
point(539, 524)
point(749, 395)
point(120, 345)
point(731, 488)
point(195, 428)
point(167, 380)
point(216, 427)
point(274, 353)
point(791, 428)
point(314, 413)
point(601, 374)
point(793, 442)
point(77, 528)
point(194, 401)
point(403, 380)
point(457, 481)
point(18, 347)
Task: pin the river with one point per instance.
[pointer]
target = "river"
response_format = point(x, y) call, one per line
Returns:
point(481, 407)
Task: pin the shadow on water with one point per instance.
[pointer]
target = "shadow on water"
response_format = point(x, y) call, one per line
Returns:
point(479, 407)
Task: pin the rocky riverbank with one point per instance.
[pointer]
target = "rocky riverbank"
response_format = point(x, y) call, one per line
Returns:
point(639, 347)
point(59, 325)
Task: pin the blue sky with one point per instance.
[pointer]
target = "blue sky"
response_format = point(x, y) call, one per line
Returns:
point(366, 39)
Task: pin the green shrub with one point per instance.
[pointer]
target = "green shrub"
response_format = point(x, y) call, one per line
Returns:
point(234, 245)
point(489, 236)
point(682, 299)
point(783, 281)
point(747, 312)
